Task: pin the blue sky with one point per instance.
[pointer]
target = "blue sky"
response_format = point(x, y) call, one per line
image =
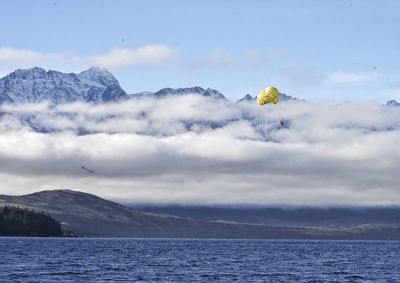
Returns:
point(317, 50)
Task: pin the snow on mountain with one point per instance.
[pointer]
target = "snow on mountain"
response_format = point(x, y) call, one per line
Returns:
point(93, 85)
point(249, 98)
point(141, 94)
point(285, 97)
point(96, 85)
point(37, 85)
point(212, 93)
point(190, 90)
point(392, 103)
point(101, 76)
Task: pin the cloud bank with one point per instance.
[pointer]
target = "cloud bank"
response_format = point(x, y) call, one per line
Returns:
point(118, 58)
point(349, 78)
point(190, 149)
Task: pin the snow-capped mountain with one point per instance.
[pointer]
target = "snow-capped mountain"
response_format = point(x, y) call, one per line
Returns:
point(37, 85)
point(93, 85)
point(392, 103)
point(249, 98)
point(285, 97)
point(145, 117)
point(212, 93)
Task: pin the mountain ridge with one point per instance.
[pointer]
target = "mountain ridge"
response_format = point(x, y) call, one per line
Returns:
point(168, 91)
point(392, 103)
point(283, 97)
point(97, 86)
point(89, 215)
point(94, 85)
point(282, 215)
point(38, 85)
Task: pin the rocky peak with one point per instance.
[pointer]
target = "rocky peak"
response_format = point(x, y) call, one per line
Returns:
point(101, 76)
point(247, 97)
point(392, 103)
point(36, 85)
point(190, 90)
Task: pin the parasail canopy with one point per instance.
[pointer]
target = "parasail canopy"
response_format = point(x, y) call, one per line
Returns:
point(268, 95)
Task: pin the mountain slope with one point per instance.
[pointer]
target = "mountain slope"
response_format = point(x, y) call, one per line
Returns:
point(281, 216)
point(37, 85)
point(86, 214)
point(392, 103)
point(93, 85)
point(249, 98)
point(212, 93)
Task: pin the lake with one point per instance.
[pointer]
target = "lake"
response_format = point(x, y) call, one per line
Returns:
point(187, 260)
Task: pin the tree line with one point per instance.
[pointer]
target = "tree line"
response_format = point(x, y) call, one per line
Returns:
point(16, 221)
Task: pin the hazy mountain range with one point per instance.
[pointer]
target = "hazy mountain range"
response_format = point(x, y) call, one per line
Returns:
point(94, 85)
point(97, 86)
point(281, 215)
point(88, 215)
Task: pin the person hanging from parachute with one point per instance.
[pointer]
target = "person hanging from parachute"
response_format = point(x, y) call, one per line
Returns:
point(270, 95)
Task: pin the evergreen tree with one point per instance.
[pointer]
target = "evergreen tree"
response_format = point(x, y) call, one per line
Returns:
point(27, 222)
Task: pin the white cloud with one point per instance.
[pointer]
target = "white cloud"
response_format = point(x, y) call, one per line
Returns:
point(143, 150)
point(348, 78)
point(123, 58)
point(225, 57)
point(298, 73)
point(115, 59)
point(255, 56)
point(220, 56)
point(19, 55)
point(394, 93)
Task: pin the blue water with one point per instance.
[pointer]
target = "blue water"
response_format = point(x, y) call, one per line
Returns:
point(88, 260)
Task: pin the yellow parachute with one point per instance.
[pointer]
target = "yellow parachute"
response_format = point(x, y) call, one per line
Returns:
point(268, 95)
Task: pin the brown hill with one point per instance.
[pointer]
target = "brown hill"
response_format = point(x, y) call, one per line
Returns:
point(88, 215)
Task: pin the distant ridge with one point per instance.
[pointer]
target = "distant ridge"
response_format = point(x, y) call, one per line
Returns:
point(284, 97)
point(212, 93)
point(283, 216)
point(97, 86)
point(94, 85)
point(392, 103)
point(88, 215)
point(247, 98)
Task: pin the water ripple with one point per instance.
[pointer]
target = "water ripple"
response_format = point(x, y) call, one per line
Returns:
point(167, 260)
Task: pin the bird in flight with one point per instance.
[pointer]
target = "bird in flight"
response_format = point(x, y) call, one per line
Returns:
point(87, 169)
